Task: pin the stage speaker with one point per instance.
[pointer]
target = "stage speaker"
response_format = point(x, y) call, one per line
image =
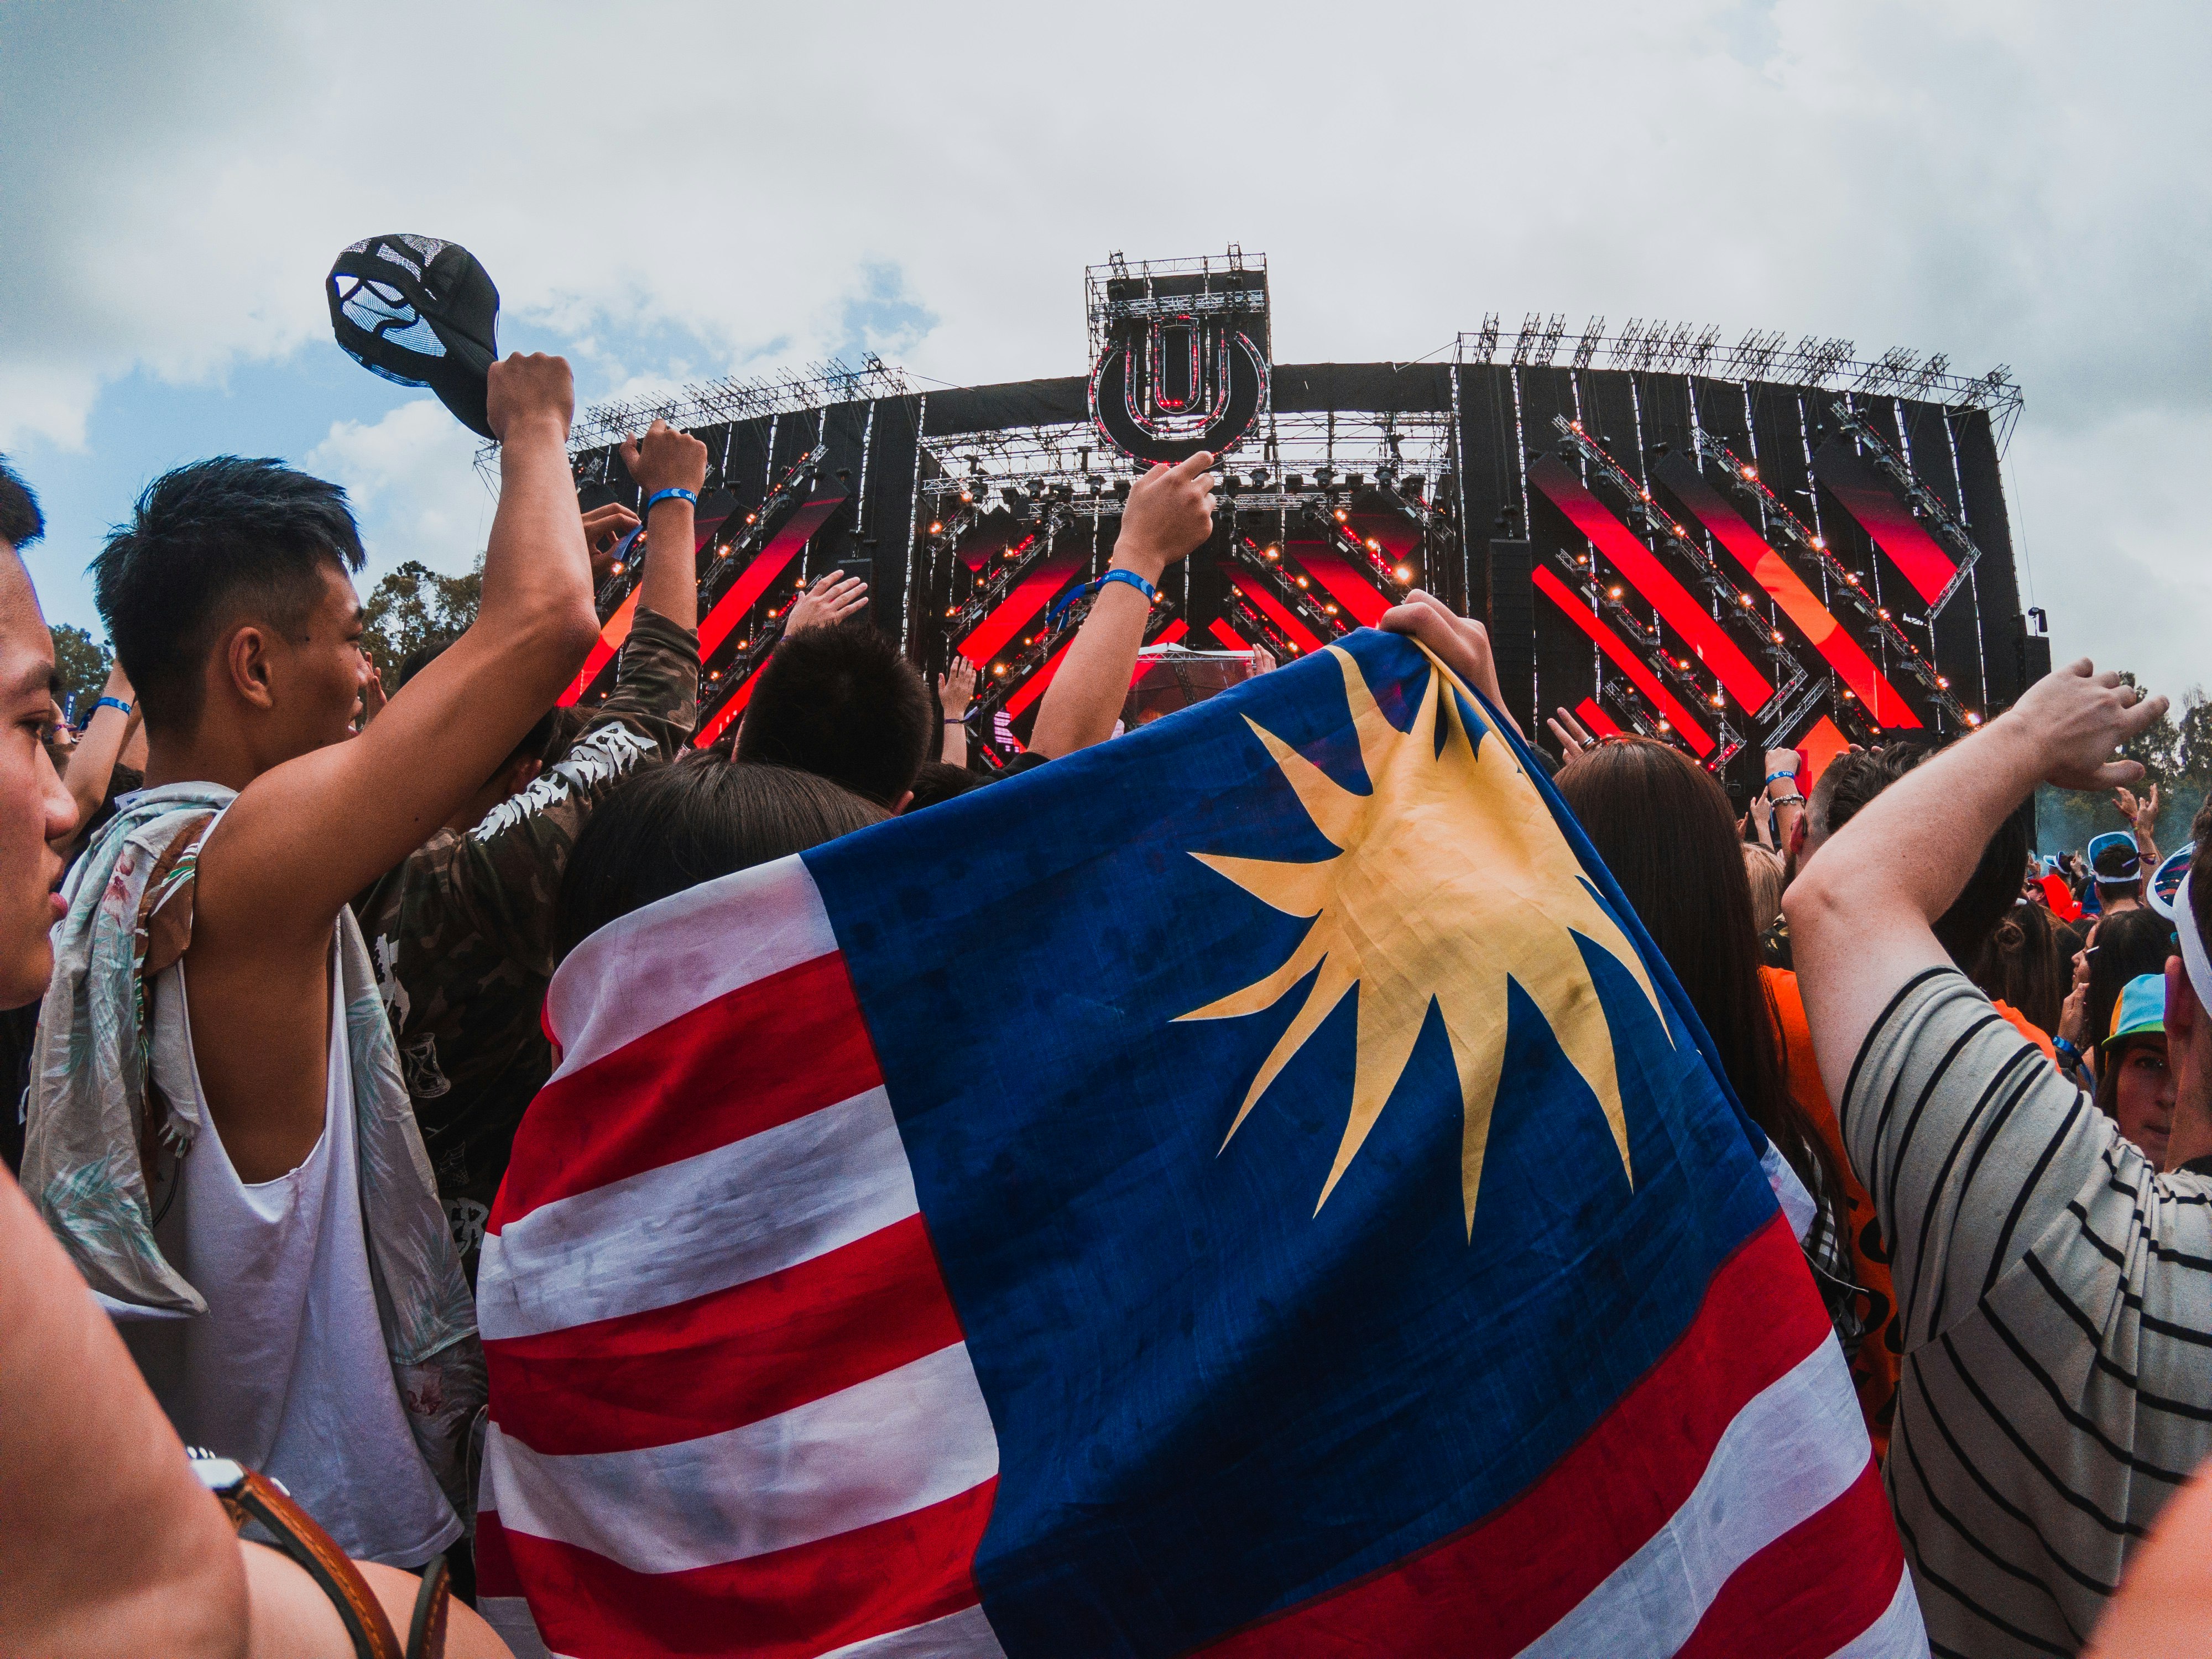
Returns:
point(2032, 651)
point(1513, 627)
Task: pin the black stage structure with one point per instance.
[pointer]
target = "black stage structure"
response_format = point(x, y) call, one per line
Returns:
point(1731, 547)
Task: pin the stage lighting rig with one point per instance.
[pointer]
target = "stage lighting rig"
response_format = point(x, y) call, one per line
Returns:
point(1650, 644)
point(1844, 584)
point(1789, 674)
point(1924, 501)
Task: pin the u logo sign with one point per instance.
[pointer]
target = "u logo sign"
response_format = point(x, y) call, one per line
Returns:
point(1169, 386)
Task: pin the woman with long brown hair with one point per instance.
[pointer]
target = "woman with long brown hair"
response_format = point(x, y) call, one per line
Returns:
point(1664, 829)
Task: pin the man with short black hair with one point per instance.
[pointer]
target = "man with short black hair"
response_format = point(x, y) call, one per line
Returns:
point(2115, 867)
point(841, 702)
point(2051, 1281)
point(217, 1132)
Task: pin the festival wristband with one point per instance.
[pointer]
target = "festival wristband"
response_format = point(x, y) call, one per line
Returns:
point(1776, 777)
point(110, 702)
point(659, 495)
point(1130, 577)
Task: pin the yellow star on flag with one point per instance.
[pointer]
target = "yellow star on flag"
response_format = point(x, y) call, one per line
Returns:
point(1451, 880)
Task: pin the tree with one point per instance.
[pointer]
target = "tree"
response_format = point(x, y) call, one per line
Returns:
point(82, 665)
point(412, 607)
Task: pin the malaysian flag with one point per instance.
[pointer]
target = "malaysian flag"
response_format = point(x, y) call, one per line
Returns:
point(1249, 1188)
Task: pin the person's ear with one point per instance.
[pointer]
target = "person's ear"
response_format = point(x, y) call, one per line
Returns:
point(523, 774)
point(247, 665)
point(902, 803)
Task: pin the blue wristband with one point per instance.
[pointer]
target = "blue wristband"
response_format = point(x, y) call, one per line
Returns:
point(1130, 577)
point(109, 702)
point(659, 495)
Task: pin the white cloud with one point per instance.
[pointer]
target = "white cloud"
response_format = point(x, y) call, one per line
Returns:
point(2014, 180)
point(414, 486)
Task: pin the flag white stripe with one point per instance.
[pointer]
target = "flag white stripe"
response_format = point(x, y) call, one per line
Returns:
point(643, 969)
point(1792, 1450)
point(1898, 1634)
point(881, 1448)
point(742, 1211)
point(966, 1634)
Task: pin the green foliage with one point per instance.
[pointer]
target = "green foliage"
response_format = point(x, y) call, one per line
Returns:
point(83, 666)
point(413, 606)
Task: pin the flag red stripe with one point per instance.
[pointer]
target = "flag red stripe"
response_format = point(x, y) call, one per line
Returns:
point(730, 1358)
point(495, 1574)
point(792, 1604)
point(768, 1052)
point(1812, 1588)
point(1595, 1508)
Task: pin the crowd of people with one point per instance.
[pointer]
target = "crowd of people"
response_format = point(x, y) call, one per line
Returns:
point(276, 938)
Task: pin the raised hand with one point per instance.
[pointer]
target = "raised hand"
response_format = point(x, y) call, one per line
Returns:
point(1572, 739)
point(524, 391)
point(955, 686)
point(2136, 811)
point(606, 526)
point(1458, 642)
point(666, 459)
point(2079, 718)
point(1169, 516)
point(834, 597)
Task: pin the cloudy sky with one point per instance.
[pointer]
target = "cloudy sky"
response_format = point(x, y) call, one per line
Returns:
point(672, 192)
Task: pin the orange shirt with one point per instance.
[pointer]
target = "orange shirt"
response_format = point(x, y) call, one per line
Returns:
point(2032, 1032)
point(1874, 1367)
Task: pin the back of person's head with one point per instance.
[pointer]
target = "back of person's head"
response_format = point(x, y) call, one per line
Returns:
point(842, 703)
point(673, 826)
point(209, 546)
point(1853, 780)
point(938, 781)
point(2129, 944)
point(1763, 869)
point(21, 521)
point(2117, 868)
point(2029, 963)
point(1663, 827)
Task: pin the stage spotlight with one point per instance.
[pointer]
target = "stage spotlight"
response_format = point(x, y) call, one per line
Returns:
point(1354, 481)
point(936, 528)
point(1121, 489)
point(1274, 552)
point(1411, 483)
point(1404, 573)
point(1013, 497)
point(1259, 481)
point(1612, 592)
point(1324, 475)
point(1302, 582)
point(1098, 486)
point(1293, 480)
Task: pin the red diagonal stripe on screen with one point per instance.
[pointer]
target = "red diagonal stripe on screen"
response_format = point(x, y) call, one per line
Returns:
point(1625, 660)
point(1885, 516)
point(1641, 567)
point(1276, 612)
point(1798, 602)
point(1028, 599)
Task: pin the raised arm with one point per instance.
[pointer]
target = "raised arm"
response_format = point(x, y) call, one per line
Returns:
point(1461, 643)
point(668, 459)
point(1169, 514)
point(1861, 913)
point(107, 729)
point(307, 835)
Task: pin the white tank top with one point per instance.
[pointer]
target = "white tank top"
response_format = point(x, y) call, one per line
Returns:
point(287, 1370)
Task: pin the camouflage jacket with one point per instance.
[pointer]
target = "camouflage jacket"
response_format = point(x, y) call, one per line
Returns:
point(462, 933)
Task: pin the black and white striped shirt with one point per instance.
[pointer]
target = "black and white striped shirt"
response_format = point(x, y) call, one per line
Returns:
point(2057, 1296)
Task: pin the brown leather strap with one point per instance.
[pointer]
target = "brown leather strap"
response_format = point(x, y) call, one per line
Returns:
point(296, 1534)
point(426, 1635)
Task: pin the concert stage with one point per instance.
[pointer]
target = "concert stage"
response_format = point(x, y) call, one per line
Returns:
point(1729, 546)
